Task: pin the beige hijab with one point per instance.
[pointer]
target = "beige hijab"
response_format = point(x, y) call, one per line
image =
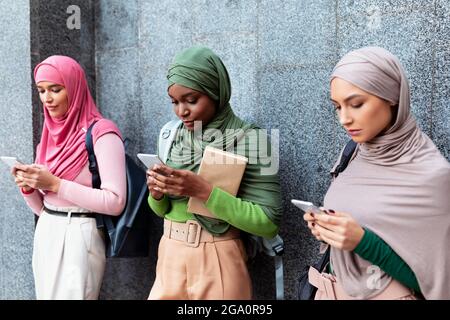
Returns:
point(397, 185)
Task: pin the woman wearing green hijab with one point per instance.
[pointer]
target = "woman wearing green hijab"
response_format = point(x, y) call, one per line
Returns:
point(201, 257)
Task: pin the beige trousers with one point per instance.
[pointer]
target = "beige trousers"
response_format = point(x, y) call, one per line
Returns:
point(68, 258)
point(213, 270)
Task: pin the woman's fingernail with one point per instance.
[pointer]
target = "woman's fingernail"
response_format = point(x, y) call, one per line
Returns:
point(312, 214)
point(331, 211)
point(313, 224)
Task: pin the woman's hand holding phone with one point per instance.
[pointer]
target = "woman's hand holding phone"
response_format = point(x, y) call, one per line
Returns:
point(182, 183)
point(310, 211)
point(311, 220)
point(17, 170)
point(19, 180)
point(338, 229)
point(151, 182)
point(36, 176)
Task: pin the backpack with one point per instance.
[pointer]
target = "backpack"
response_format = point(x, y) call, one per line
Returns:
point(307, 291)
point(272, 247)
point(127, 235)
point(254, 244)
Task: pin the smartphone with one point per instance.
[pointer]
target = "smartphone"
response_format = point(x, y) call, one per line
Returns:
point(149, 159)
point(307, 206)
point(10, 161)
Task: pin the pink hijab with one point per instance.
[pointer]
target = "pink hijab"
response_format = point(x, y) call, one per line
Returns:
point(62, 148)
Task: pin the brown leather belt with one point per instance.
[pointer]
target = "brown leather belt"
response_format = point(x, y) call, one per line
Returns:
point(192, 233)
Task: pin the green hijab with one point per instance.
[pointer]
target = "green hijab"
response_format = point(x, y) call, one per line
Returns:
point(200, 69)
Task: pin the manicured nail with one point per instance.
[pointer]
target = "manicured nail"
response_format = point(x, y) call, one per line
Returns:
point(331, 211)
point(313, 224)
point(312, 214)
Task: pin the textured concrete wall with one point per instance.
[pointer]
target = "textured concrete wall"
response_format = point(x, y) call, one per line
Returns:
point(119, 98)
point(279, 55)
point(16, 221)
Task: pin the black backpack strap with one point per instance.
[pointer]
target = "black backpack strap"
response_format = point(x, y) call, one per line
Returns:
point(345, 158)
point(93, 168)
point(347, 154)
point(275, 247)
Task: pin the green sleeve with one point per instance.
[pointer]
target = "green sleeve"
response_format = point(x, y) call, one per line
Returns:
point(160, 207)
point(244, 215)
point(374, 249)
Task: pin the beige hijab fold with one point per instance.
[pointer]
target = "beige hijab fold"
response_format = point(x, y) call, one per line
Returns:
point(397, 185)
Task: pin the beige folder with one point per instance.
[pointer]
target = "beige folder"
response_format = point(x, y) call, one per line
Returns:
point(222, 169)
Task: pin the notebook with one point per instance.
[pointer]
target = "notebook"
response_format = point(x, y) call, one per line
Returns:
point(222, 169)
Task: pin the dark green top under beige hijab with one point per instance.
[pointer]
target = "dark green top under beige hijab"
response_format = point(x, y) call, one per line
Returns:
point(257, 207)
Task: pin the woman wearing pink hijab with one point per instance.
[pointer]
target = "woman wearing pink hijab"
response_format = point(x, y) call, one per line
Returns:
point(69, 251)
point(388, 213)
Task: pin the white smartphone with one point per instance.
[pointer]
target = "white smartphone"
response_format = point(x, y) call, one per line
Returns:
point(10, 161)
point(307, 206)
point(149, 159)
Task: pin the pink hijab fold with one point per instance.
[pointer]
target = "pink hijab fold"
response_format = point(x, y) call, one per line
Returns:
point(397, 185)
point(62, 147)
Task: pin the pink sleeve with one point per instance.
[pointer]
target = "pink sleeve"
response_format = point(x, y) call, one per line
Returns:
point(34, 201)
point(111, 198)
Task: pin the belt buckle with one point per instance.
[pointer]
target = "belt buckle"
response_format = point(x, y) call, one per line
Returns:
point(197, 234)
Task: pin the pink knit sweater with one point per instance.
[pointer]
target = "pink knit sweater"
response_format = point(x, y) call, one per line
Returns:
point(110, 199)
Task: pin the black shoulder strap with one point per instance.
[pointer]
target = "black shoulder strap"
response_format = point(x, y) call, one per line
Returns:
point(345, 158)
point(93, 168)
point(92, 159)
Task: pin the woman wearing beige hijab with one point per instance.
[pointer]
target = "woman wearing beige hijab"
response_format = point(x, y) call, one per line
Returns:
point(388, 213)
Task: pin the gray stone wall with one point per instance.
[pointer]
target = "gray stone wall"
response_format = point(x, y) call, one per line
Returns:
point(279, 54)
point(16, 130)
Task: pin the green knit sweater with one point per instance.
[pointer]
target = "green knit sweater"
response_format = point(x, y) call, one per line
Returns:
point(372, 248)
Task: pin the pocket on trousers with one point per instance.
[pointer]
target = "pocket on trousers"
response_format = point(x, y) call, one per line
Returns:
point(86, 234)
